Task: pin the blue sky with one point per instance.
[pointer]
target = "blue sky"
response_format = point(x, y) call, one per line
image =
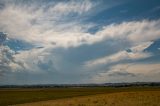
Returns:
point(79, 41)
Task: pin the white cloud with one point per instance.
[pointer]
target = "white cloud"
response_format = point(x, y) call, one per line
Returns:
point(60, 25)
point(129, 73)
point(136, 53)
point(135, 31)
point(7, 61)
point(69, 7)
point(138, 68)
point(44, 25)
point(55, 24)
point(30, 59)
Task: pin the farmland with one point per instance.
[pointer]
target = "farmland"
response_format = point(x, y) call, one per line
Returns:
point(136, 98)
point(26, 95)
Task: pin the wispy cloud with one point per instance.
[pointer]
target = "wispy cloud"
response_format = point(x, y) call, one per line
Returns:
point(40, 25)
point(136, 53)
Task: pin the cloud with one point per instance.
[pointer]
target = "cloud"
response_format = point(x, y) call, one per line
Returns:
point(62, 46)
point(136, 68)
point(45, 25)
point(72, 7)
point(134, 31)
point(3, 37)
point(123, 74)
point(6, 59)
point(129, 73)
point(136, 53)
point(60, 58)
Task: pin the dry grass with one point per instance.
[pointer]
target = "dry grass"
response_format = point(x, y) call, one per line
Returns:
point(136, 98)
point(29, 95)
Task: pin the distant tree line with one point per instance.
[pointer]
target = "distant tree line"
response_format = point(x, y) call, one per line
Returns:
point(136, 84)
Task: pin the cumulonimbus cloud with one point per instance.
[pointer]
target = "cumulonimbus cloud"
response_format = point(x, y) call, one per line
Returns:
point(60, 26)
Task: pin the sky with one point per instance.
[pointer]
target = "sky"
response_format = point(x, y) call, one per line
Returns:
point(79, 41)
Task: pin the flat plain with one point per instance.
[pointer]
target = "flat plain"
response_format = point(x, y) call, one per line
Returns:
point(82, 96)
point(138, 98)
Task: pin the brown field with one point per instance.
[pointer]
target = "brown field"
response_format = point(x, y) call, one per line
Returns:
point(135, 98)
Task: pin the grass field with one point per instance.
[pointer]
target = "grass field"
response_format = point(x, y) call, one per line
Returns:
point(21, 95)
point(137, 98)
